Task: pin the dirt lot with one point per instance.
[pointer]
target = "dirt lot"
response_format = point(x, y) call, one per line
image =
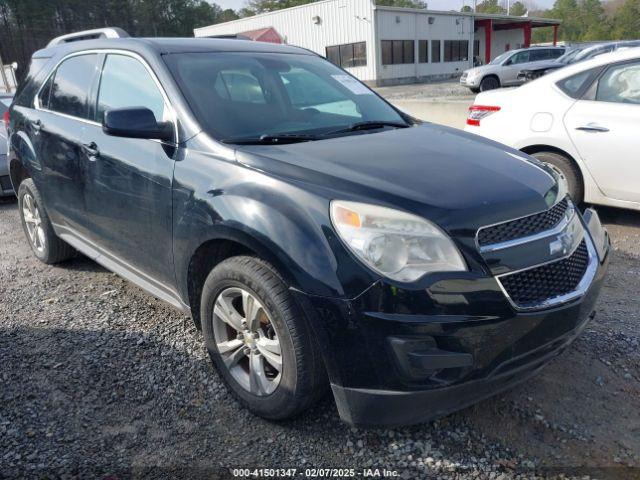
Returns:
point(446, 102)
point(100, 379)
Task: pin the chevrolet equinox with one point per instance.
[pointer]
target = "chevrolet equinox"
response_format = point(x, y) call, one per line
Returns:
point(316, 234)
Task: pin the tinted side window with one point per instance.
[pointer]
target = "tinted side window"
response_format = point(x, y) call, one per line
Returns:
point(575, 85)
point(125, 83)
point(556, 53)
point(521, 57)
point(620, 84)
point(71, 84)
point(45, 93)
point(536, 55)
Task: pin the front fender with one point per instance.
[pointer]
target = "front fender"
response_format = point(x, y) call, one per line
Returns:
point(286, 224)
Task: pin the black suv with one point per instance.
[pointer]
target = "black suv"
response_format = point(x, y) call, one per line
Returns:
point(315, 233)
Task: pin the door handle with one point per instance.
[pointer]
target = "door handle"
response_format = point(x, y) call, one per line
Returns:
point(592, 127)
point(37, 125)
point(92, 150)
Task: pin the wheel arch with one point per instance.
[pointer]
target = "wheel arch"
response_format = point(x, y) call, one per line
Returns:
point(17, 174)
point(215, 250)
point(531, 149)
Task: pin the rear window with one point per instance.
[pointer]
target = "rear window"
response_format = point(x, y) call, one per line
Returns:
point(575, 85)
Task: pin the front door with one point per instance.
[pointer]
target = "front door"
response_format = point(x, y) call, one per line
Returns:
point(604, 128)
point(128, 193)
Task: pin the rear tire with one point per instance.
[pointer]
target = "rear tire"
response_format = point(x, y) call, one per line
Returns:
point(568, 169)
point(489, 83)
point(234, 344)
point(475, 90)
point(44, 242)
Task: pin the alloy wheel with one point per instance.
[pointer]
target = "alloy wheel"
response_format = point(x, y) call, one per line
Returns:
point(33, 222)
point(247, 341)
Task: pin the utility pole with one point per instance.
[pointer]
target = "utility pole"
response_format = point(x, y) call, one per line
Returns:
point(508, 7)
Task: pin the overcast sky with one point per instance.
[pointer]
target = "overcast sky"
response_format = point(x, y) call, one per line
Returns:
point(434, 4)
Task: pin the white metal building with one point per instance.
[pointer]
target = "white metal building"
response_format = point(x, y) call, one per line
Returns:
point(387, 45)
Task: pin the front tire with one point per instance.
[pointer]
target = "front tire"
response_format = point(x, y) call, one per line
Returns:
point(44, 242)
point(568, 170)
point(258, 339)
point(489, 83)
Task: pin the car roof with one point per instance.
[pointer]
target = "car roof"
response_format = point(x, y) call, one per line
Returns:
point(605, 59)
point(170, 45)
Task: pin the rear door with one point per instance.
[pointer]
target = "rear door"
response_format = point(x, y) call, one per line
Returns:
point(128, 193)
point(57, 129)
point(604, 127)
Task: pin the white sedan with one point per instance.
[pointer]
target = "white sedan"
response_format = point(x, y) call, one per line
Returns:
point(583, 120)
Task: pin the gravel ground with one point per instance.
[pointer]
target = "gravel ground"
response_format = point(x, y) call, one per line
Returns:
point(101, 380)
point(436, 91)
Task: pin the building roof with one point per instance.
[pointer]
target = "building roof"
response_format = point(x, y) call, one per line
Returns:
point(498, 18)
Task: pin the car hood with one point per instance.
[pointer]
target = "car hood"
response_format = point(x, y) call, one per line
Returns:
point(482, 70)
point(457, 179)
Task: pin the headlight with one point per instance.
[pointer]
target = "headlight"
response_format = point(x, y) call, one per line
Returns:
point(398, 245)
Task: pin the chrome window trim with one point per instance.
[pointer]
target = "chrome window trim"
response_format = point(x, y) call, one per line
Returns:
point(527, 239)
point(107, 51)
point(580, 291)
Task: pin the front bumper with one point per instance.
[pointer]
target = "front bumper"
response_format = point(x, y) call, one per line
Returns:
point(398, 357)
point(471, 82)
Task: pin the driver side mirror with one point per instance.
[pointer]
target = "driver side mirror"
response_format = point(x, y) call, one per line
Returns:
point(136, 122)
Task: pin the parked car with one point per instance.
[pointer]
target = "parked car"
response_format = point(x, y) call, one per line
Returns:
point(5, 182)
point(578, 54)
point(312, 230)
point(582, 120)
point(503, 70)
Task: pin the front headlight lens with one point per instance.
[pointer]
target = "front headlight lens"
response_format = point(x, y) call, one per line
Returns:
point(398, 245)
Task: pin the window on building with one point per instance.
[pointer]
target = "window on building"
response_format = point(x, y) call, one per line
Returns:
point(348, 55)
point(456, 50)
point(435, 51)
point(423, 51)
point(70, 86)
point(397, 52)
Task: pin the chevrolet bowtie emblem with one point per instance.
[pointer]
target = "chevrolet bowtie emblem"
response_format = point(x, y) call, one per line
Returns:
point(562, 244)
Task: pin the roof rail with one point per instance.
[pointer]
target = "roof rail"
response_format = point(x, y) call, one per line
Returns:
point(110, 32)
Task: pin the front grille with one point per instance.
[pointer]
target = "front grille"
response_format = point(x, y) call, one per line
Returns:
point(532, 287)
point(523, 227)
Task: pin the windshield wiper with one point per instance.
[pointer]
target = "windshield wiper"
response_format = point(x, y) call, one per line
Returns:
point(370, 125)
point(277, 139)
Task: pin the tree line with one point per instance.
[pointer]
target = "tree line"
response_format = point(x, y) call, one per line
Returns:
point(27, 25)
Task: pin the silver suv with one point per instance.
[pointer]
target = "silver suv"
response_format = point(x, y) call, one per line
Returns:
point(503, 70)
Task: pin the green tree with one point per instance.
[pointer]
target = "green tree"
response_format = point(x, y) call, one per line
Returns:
point(490, 6)
point(518, 9)
point(593, 24)
point(626, 21)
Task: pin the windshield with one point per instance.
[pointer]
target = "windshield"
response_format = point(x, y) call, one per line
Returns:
point(244, 95)
point(500, 58)
point(569, 56)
